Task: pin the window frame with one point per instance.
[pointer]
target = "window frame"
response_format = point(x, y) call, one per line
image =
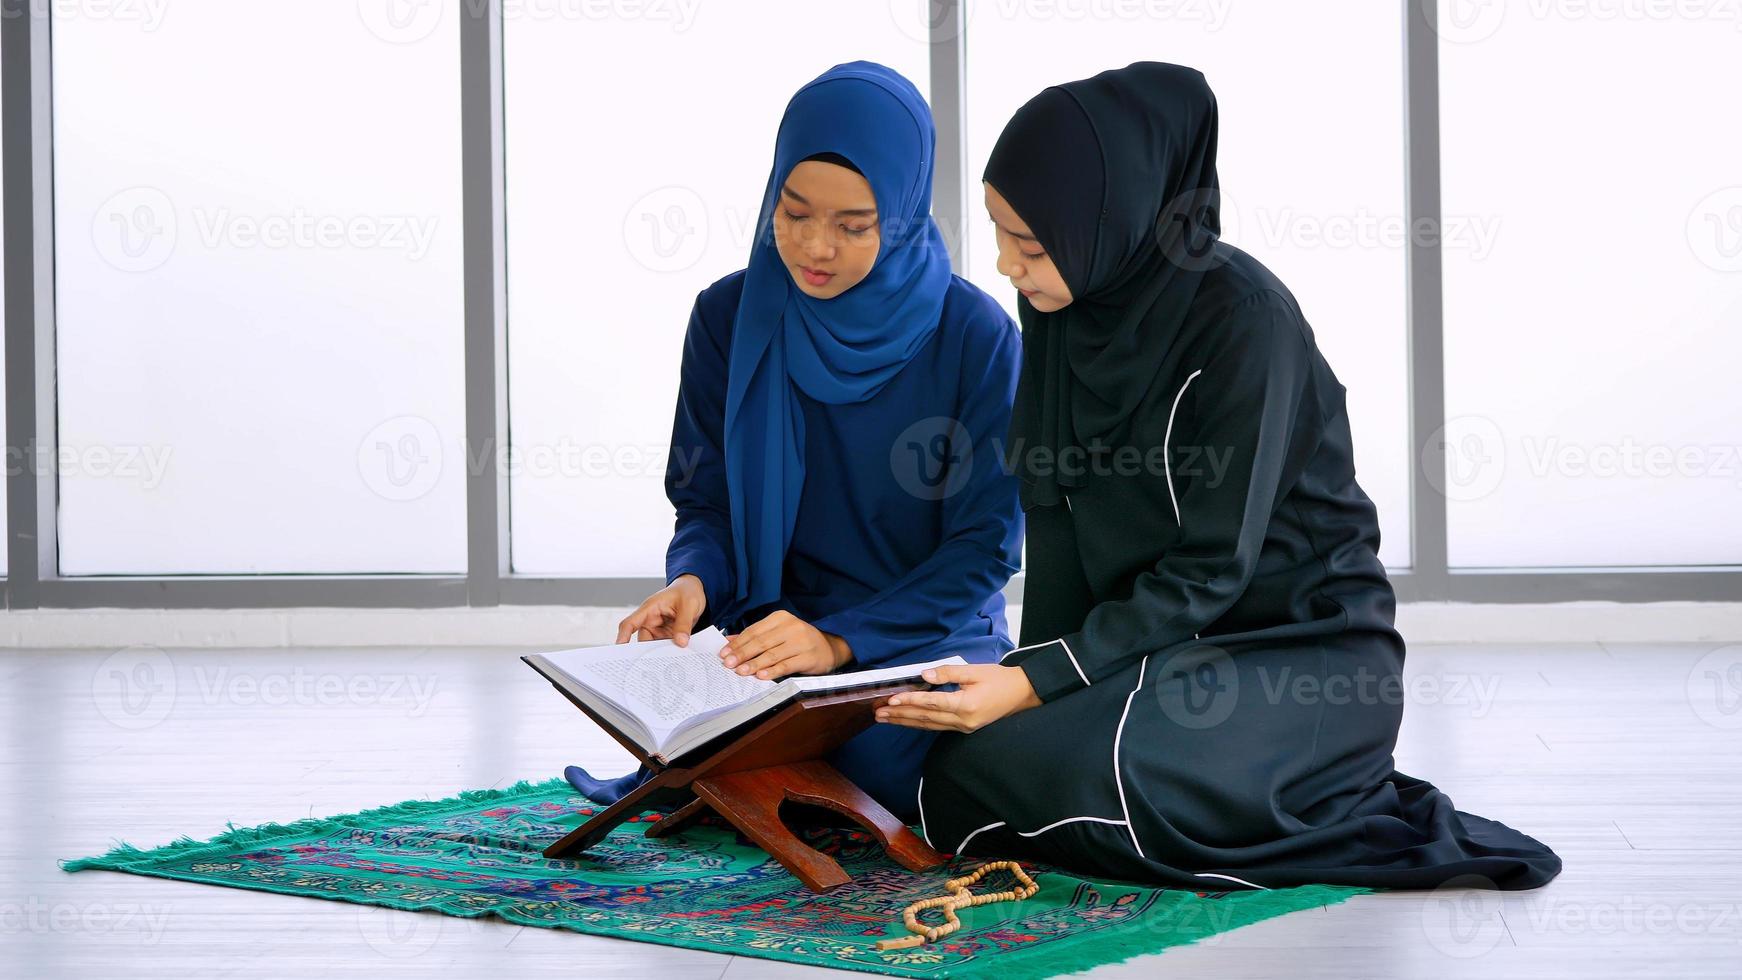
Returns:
point(32, 577)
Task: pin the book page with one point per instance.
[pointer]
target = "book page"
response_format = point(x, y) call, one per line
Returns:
point(867, 678)
point(660, 682)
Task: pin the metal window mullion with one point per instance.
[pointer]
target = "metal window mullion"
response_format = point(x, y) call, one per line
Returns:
point(29, 308)
point(220, 592)
point(486, 340)
point(947, 23)
point(1426, 309)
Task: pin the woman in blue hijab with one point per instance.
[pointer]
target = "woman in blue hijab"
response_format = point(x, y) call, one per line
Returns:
point(836, 458)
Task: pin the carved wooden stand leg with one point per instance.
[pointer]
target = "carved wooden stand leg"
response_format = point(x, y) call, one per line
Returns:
point(751, 800)
point(678, 820)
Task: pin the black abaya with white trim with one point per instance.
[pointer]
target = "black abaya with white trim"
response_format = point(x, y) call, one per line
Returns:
point(1206, 619)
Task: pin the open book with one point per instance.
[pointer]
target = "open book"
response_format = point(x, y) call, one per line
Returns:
point(670, 699)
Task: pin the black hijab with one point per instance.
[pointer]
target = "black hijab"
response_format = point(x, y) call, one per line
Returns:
point(1116, 177)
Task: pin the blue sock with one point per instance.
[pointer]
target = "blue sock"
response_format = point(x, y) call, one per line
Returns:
point(605, 791)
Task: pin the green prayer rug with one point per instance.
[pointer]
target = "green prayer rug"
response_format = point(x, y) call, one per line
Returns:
point(707, 888)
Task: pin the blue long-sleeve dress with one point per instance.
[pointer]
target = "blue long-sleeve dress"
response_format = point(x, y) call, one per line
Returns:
point(909, 523)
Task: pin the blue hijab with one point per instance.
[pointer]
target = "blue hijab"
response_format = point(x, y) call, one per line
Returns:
point(838, 350)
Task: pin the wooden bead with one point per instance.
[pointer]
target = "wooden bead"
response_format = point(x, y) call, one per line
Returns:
point(959, 897)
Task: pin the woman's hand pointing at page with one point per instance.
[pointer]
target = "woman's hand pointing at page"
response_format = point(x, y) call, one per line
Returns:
point(669, 614)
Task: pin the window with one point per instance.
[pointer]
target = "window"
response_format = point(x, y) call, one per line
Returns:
point(630, 188)
point(1310, 160)
point(1591, 332)
point(257, 215)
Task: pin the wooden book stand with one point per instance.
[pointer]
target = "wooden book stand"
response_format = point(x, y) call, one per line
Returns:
point(746, 776)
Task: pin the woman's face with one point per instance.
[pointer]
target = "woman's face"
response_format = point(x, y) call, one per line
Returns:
point(825, 228)
point(1023, 260)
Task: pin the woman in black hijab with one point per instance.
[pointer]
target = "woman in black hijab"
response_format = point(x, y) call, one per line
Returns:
point(1209, 683)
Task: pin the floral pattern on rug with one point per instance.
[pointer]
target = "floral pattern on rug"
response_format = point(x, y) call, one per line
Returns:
point(706, 888)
